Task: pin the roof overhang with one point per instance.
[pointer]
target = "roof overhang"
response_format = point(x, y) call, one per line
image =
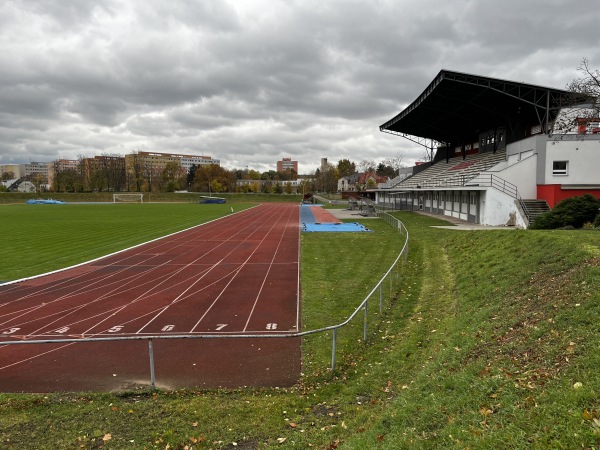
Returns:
point(455, 107)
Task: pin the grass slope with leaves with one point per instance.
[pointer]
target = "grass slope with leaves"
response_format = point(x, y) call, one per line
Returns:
point(491, 342)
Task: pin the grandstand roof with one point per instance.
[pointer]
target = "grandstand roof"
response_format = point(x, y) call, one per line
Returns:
point(456, 106)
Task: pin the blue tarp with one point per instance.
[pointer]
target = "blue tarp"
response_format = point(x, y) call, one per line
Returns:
point(212, 200)
point(44, 202)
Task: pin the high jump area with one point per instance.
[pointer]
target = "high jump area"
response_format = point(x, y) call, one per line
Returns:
point(238, 275)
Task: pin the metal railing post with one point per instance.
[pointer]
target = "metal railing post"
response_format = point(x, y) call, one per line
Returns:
point(152, 375)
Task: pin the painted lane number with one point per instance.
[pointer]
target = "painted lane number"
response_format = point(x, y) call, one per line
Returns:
point(11, 330)
point(168, 328)
point(115, 329)
point(220, 326)
point(271, 326)
point(62, 330)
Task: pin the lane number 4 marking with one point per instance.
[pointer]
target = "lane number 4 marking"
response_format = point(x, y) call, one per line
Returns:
point(11, 330)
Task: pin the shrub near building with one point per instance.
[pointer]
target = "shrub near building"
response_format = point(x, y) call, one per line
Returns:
point(571, 212)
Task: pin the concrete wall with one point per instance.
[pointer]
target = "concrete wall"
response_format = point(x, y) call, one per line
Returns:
point(583, 158)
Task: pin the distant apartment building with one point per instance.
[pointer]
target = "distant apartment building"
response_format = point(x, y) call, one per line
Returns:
point(17, 170)
point(158, 161)
point(287, 164)
point(36, 168)
point(144, 168)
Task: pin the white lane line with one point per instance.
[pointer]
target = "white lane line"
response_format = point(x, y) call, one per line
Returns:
point(34, 356)
point(182, 296)
point(241, 267)
point(105, 277)
point(266, 274)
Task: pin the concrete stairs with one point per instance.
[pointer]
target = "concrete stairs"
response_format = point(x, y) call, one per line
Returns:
point(534, 208)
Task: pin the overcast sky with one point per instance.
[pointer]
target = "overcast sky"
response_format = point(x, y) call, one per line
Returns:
point(251, 81)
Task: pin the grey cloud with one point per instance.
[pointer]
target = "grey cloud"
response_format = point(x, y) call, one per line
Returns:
point(250, 82)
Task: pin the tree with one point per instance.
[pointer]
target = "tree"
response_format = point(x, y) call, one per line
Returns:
point(346, 168)
point(8, 175)
point(385, 170)
point(135, 179)
point(586, 92)
point(253, 175)
point(213, 178)
point(190, 175)
point(573, 211)
point(395, 162)
point(170, 176)
point(366, 166)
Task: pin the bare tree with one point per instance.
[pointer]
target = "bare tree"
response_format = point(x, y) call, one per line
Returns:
point(585, 102)
point(395, 162)
point(366, 166)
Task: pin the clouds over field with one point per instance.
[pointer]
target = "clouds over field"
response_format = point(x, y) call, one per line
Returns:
point(251, 82)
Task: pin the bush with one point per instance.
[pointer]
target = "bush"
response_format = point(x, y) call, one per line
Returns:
point(574, 211)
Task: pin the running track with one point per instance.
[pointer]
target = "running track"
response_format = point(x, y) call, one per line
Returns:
point(236, 275)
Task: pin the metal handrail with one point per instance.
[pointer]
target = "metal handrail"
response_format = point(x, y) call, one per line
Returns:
point(481, 179)
point(391, 220)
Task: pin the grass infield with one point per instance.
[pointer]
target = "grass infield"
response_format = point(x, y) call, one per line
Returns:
point(491, 342)
point(42, 238)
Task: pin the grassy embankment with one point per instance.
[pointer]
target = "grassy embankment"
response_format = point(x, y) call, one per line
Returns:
point(492, 343)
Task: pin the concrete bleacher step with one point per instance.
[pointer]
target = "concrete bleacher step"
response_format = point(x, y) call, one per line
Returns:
point(459, 169)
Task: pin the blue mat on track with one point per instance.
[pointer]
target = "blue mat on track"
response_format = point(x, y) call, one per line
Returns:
point(310, 224)
point(333, 227)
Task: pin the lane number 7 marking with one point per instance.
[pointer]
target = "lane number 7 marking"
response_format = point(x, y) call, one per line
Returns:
point(220, 326)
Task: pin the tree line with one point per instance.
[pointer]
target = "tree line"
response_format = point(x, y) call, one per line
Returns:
point(112, 172)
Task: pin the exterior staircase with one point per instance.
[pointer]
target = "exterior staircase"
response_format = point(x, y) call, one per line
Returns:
point(534, 208)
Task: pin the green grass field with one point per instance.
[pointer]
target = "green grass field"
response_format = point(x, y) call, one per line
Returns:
point(41, 238)
point(491, 342)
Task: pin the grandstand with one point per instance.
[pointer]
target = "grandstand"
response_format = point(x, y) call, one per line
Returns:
point(494, 160)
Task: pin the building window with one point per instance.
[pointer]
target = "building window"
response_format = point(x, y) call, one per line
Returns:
point(560, 167)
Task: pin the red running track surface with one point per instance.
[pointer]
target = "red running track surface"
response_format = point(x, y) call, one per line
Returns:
point(323, 216)
point(236, 275)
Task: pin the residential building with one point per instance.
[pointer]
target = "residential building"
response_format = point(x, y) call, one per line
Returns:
point(287, 164)
point(144, 168)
